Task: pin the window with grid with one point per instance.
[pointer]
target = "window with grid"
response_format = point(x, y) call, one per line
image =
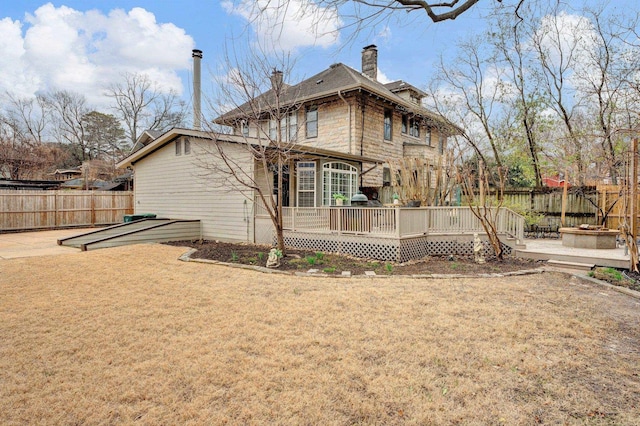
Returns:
point(338, 178)
point(306, 184)
point(178, 147)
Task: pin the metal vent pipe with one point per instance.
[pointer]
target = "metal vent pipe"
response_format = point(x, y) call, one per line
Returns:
point(197, 102)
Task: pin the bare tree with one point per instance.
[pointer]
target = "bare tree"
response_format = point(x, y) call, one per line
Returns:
point(509, 46)
point(141, 105)
point(69, 110)
point(469, 90)
point(262, 112)
point(363, 12)
point(22, 157)
point(486, 207)
point(559, 47)
point(31, 115)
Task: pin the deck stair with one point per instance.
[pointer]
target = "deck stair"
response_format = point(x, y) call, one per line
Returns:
point(136, 232)
point(576, 266)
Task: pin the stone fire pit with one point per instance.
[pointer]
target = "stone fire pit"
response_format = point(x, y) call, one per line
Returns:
point(589, 237)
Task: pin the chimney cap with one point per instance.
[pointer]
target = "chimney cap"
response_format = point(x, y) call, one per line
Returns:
point(369, 47)
point(196, 53)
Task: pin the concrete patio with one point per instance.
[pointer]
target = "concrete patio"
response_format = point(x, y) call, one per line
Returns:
point(39, 243)
point(552, 249)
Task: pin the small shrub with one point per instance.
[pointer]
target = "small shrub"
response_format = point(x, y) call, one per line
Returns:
point(234, 256)
point(261, 256)
point(389, 267)
point(319, 255)
point(311, 260)
point(252, 260)
point(329, 270)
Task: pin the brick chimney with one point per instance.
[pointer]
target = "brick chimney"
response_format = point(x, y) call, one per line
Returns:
point(370, 61)
point(276, 80)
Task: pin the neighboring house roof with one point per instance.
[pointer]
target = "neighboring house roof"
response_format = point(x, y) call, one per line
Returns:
point(67, 171)
point(29, 184)
point(554, 182)
point(336, 80)
point(175, 133)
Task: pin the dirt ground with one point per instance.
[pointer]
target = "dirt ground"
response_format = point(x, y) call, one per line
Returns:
point(331, 264)
point(133, 335)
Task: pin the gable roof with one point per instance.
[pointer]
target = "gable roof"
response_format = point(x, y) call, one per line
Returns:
point(336, 80)
point(145, 139)
point(172, 134)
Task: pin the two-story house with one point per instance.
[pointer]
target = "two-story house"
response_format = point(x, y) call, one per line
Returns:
point(344, 111)
point(343, 129)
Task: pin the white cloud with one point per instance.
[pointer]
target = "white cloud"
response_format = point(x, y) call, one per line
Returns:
point(63, 48)
point(382, 77)
point(287, 25)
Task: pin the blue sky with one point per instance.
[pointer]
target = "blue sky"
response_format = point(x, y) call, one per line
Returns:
point(85, 45)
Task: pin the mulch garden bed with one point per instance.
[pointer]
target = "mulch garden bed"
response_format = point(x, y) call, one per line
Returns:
point(334, 264)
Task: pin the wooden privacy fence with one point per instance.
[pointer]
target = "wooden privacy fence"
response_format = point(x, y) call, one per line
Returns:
point(24, 210)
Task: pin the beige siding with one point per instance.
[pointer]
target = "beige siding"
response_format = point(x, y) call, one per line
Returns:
point(169, 185)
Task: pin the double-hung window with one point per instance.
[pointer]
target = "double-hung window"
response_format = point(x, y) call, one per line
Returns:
point(288, 128)
point(410, 126)
point(306, 184)
point(312, 122)
point(388, 124)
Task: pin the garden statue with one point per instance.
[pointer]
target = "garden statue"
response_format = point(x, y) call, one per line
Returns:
point(273, 261)
point(478, 249)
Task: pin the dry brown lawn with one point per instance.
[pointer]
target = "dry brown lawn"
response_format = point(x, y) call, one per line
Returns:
point(132, 335)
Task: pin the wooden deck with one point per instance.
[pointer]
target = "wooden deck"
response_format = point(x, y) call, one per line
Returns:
point(389, 233)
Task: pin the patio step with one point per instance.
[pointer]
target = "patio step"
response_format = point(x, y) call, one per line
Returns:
point(513, 243)
point(571, 265)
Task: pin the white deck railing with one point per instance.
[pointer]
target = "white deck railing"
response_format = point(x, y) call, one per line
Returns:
point(395, 222)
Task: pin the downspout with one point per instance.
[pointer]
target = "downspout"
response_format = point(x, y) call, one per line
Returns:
point(362, 102)
point(349, 112)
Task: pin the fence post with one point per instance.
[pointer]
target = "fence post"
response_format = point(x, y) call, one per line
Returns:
point(93, 209)
point(55, 209)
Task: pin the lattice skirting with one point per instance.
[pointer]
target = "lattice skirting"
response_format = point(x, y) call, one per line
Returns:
point(370, 248)
point(397, 250)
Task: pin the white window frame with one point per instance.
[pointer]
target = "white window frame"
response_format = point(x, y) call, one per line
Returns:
point(306, 181)
point(338, 177)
